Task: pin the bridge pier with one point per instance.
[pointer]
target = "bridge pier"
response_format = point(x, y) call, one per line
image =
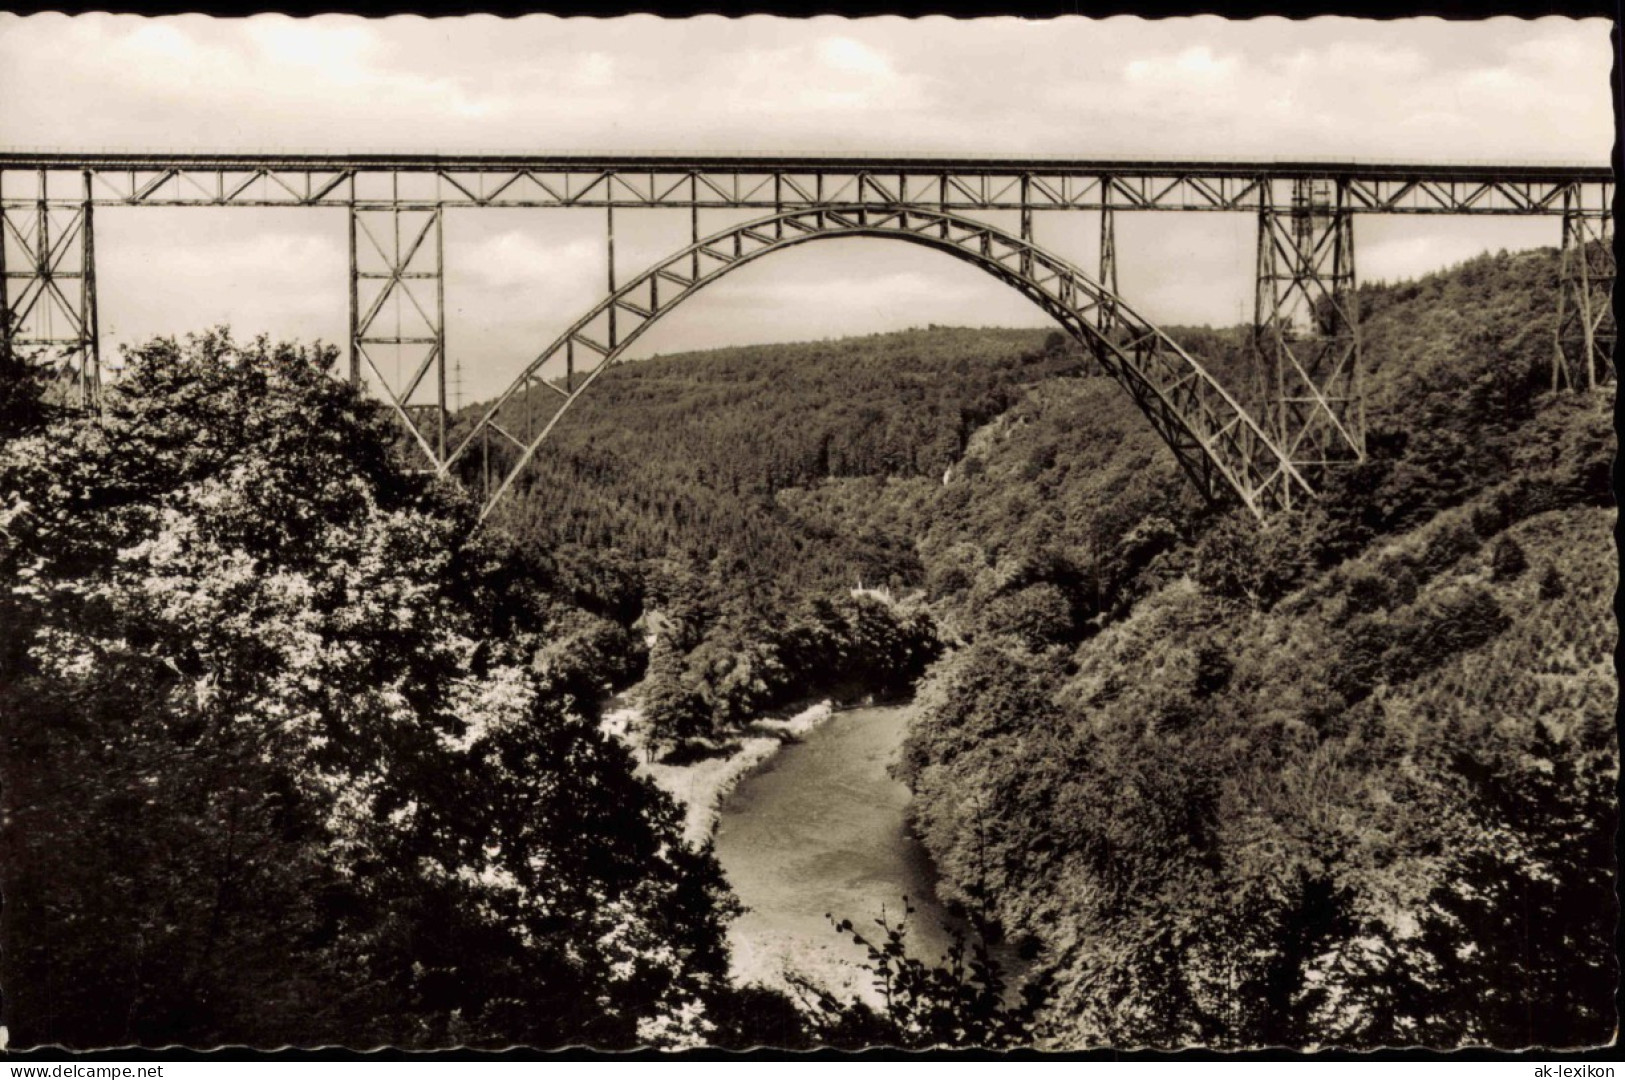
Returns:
point(47, 240)
point(1306, 324)
point(398, 311)
point(694, 222)
point(1026, 224)
point(1586, 331)
point(609, 234)
point(1108, 264)
point(352, 342)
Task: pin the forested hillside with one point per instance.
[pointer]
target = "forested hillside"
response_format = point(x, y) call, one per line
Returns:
point(1346, 778)
point(739, 492)
point(673, 489)
point(686, 454)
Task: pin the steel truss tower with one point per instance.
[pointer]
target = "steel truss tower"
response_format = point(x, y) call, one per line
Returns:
point(1306, 326)
point(48, 281)
point(1585, 319)
point(398, 315)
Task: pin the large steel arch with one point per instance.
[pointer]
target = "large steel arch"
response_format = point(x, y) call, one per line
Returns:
point(1222, 448)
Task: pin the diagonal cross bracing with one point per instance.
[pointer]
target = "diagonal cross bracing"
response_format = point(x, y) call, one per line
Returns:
point(1306, 328)
point(1586, 332)
point(398, 331)
point(48, 284)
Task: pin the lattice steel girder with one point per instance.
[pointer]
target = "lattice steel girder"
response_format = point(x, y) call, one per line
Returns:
point(398, 316)
point(1586, 330)
point(1306, 326)
point(1220, 447)
point(787, 183)
point(48, 287)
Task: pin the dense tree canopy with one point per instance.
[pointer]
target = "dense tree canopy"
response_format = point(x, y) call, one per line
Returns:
point(280, 764)
point(1344, 779)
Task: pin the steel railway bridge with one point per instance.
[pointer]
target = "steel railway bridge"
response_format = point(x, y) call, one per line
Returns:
point(1305, 413)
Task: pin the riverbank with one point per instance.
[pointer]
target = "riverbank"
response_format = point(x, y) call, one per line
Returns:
point(701, 786)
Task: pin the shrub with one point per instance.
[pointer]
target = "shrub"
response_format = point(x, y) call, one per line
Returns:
point(1214, 668)
point(1449, 545)
point(1507, 559)
point(1242, 559)
point(1366, 590)
point(1039, 615)
point(1461, 619)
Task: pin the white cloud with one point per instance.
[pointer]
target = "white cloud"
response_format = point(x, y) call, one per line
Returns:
point(157, 43)
point(339, 53)
point(501, 261)
point(595, 70)
point(848, 55)
point(1192, 68)
point(278, 272)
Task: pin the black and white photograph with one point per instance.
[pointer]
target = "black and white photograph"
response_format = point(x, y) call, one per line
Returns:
point(693, 535)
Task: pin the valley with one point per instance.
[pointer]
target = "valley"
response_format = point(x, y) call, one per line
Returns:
point(1132, 695)
point(1180, 776)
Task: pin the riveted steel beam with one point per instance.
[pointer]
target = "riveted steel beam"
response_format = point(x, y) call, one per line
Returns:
point(1108, 262)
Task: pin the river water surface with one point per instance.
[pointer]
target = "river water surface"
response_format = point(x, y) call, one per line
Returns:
point(820, 829)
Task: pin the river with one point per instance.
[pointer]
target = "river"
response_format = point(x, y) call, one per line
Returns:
point(821, 829)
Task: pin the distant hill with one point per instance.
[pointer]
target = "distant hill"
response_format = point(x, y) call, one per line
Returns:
point(689, 454)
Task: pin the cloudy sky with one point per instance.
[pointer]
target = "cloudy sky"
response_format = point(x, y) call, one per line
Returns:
point(1420, 90)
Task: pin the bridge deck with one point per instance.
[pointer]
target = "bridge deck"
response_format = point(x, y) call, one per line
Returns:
point(779, 182)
